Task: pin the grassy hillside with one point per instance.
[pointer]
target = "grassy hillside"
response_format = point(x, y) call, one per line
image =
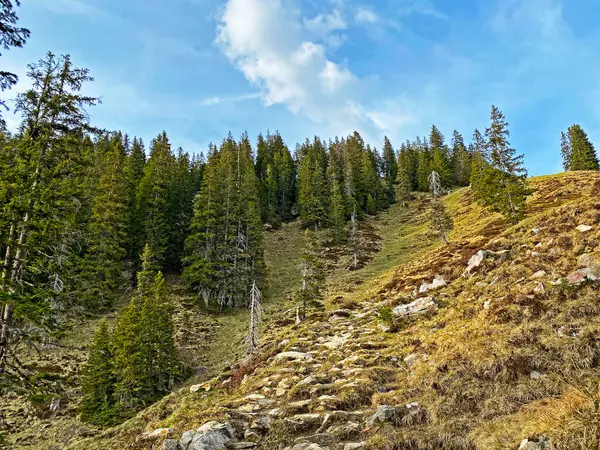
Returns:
point(508, 352)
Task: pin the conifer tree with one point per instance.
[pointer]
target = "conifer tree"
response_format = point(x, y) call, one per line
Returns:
point(440, 220)
point(103, 265)
point(337, 217)
point(98, 382)
point(313, 272)
point(134, 172)
point(404, 190)
point(440, 158)
point(565, 150)
point(43, 181)
point(507, 179)
point(312, 184)
point(423, 165)
point(154, 195)
point(10, 36)
point(461, 161)
point(390, 170)
point(583, 155)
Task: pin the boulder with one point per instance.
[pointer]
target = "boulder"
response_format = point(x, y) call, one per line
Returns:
point(383, 414)
point(591, 273)
point(171, 444)
point(542, 444)
point(478, 258)
point(210, 436)
point(355, 445)
point(437, 282)
point(293, 356)
point(419, 306)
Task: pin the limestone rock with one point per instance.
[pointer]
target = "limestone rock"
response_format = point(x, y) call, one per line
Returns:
point(355, 445)
point(478, 258)
point(419, 306)
point(437, 282)
point(542, 444)
point(308, 446)
point(538, 274)
point(160, 432)
point(591, 273)
point(384, 413)
point(210, 436)
point(293, 356)
point(584, 228)
point(170, 444)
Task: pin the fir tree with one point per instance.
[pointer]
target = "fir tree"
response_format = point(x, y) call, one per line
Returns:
point(97, 405)
point(103, 264)
point(565, 151)
point(134, 172)
point(461, 161)
point(390, 170)
point(10, 36)
point(313, 272)
point(440, 158)
point(507, 179)
point(312, 194)
point(423, 166)
point(337, 217)
point(404, 191)
point(583, 155)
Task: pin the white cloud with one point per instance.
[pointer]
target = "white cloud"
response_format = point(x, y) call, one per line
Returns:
point(365, 15)
point(326, 23)
point(216, 100)
point(268, 43)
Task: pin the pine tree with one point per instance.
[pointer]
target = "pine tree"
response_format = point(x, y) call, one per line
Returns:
point(154, 195)
point(10, 36)
point(461, 161)
point(103, 265)
point(390, 170)
point(583, 155)
point(440, 158)
point(507, 179)
point(565, 151)
point(313, 272)
point(44, 181)
point(98, 384)
point(337, 217)
point(134, 172)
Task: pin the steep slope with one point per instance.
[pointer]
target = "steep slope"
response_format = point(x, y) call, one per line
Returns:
point(501, 354)
point(506, 351)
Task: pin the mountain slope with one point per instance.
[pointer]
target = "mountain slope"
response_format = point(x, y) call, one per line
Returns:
point(500, 354)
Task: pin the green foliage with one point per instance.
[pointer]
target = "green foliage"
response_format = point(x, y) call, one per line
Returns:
point(440, 220)
point(226, 241)
point(577, 150)
point(390, 170)
point(98, 404)
point(440, 157)
point(312, 184)
point(461, 161)
point(313, 272)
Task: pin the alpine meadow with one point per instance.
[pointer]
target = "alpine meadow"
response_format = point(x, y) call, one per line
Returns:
point(353, 289)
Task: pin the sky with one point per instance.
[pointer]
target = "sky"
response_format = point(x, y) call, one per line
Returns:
point(199, 69)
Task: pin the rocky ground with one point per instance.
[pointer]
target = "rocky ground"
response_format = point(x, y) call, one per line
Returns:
point(491, 342)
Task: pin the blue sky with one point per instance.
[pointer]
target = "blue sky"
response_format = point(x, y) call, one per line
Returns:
point(201, 68)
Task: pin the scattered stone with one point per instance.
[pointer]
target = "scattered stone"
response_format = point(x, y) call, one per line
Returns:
point(542, 444)
point(384, 413)
point(419, 306)
point(355, 445)
point(280, 392)
point(254, 397)
point(308, 446)
point(540, 289)
point(159, 433)
point(413, 358)
point(170, 444)
point(538, 274)
point(584, 228)
point(486, 304)
point(210, 436)
point(336, 341)
point(293, 356)
point(302, 419)
point(198, 387)
point(591, 273)
point(534, 375)
point(437, 282)
point(478, 258)
point(567, 331)
point(251, 436)
point(244, 445)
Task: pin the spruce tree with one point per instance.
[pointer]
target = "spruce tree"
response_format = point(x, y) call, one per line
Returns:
point(583, 155)
point(312, 184)
point(11, 35)
point(461, 161)
point(313, 272)
point(337, 216)
point(134, 172)
point(423, 165)
point(390, 170)
point(507, 179)
point(440, 158)
point(404, 191)
point(44, 181)
point(103, 264)
point(98, 383)
point(565, 150)
point(440, 220)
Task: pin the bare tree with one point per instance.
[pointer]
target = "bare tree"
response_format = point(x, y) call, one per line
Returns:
point(435, 184)
point(255, 317)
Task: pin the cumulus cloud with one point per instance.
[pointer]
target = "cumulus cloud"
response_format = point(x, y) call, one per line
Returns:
point(268, 43)
point(365, 15)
